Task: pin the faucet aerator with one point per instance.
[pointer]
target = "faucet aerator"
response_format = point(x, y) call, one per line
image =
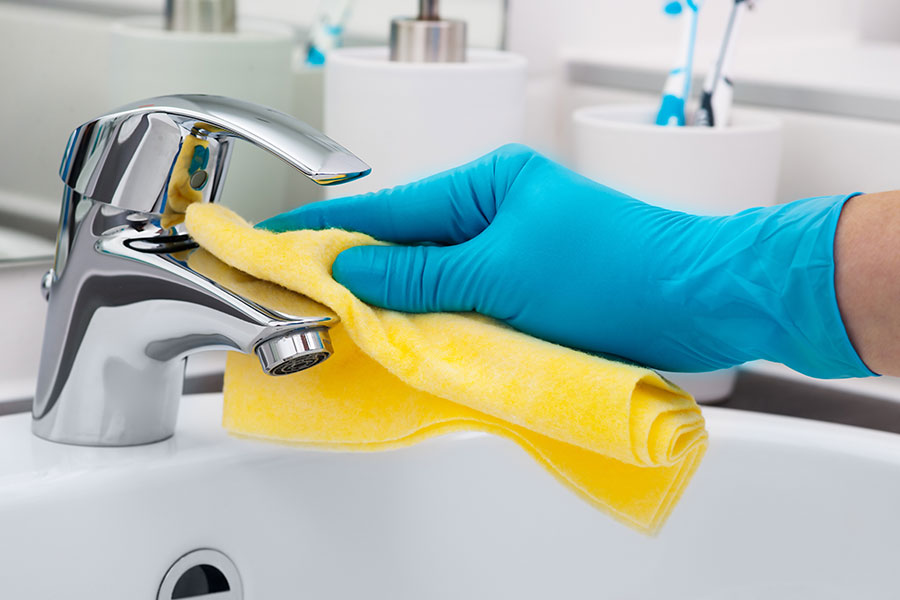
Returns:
point(295, 351)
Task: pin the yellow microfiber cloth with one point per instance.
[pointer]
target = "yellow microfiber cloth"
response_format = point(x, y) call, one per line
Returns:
point(620, 435)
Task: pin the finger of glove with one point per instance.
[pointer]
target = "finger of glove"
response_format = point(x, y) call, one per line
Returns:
point(447, 208)
point(405, 278)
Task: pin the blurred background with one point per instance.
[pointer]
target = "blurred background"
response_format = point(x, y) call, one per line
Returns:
point(828, 69)
point(833, 63)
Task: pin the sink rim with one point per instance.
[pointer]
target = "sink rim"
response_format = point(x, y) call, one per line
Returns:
point(199, 436)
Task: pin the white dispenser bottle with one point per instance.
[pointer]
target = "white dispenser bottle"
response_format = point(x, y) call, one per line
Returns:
point(424, 104)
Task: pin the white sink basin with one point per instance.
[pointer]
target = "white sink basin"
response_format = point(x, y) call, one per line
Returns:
point(781, 508)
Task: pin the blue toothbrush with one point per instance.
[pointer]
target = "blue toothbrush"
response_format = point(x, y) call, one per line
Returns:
point(328, 30)
point(678, 85)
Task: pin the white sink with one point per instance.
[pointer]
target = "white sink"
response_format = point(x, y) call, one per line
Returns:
point(781, 508)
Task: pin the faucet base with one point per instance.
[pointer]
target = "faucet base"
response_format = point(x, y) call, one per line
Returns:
point(114, 409)
point(38, 431)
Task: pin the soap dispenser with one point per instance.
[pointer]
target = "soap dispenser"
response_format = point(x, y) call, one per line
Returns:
point(425, 102)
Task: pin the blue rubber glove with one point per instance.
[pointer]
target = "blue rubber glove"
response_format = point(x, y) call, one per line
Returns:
point(515, 236)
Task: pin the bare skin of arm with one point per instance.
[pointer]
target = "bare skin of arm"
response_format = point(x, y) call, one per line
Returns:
point(867, 278)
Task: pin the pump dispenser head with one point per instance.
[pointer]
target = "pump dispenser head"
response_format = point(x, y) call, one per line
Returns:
point(428, 38)
point(201, 16)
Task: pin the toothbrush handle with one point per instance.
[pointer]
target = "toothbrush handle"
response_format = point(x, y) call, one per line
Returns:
point(677, 89)
point(718, 93)
point(722, 102)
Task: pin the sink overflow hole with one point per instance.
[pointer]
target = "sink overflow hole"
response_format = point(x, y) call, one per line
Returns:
point(200, 580)
point(202, 573)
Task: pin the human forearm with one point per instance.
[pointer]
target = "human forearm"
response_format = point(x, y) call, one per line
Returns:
point(867, 278)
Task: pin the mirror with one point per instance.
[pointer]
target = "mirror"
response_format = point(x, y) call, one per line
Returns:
point(67, 61)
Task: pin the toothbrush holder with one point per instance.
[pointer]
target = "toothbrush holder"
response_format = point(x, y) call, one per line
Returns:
point(700, 170)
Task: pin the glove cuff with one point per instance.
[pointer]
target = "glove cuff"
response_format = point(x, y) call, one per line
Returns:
point(815, 342)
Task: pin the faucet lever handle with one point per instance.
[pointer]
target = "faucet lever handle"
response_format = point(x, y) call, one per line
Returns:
point(132, 157)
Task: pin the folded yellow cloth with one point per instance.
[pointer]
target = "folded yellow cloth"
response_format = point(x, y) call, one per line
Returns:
point(619, 435)
point(192, 157)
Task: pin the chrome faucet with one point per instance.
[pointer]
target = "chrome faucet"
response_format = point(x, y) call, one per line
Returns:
point(125, 306)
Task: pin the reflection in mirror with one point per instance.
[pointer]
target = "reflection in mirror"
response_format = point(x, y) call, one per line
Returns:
point(27, 228)
point(61, 62)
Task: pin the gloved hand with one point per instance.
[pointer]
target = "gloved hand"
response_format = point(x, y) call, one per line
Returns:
point(515, 236)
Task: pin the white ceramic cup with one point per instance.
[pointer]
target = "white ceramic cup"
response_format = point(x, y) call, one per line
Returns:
point(699, 170)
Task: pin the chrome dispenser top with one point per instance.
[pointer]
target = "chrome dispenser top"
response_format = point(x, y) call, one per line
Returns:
point(428, 37)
